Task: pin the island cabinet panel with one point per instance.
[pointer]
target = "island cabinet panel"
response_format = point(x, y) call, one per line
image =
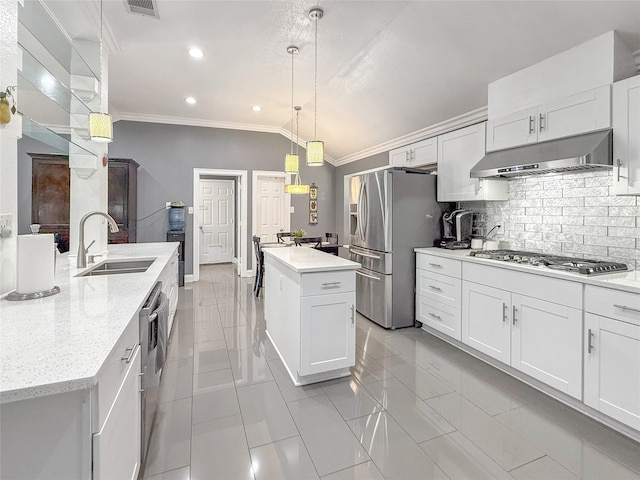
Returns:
point(310, 312)
point(327, 333)
point(116, 447)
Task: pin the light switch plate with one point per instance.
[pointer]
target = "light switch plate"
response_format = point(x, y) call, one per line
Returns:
point(190, 210)
point(292, 209)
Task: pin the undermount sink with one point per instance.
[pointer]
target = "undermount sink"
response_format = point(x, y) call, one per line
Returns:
point(112, 267)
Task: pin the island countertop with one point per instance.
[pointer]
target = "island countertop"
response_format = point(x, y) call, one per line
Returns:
point(59, 343)
point(306, 259)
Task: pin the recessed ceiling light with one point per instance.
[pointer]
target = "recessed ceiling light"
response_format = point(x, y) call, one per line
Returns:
point(195, 52)
point(190, 100)
point(256, 108)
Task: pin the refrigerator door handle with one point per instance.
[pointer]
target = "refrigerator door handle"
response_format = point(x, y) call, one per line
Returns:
point(362, 274)
point(368, 255)
point(365, 210)
point(359, 212)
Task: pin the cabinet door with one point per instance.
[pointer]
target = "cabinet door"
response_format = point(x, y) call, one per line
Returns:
point(458, 151)
point(546, 343)
point(327, 333)
point(626, 136)
point(424, 152)
point(486, 320)
point(612, 368)
point(512, 130)
point(584, 112)
point(400, 157)
point(116, 447)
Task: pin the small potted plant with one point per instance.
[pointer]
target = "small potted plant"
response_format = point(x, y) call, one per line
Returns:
point(299, 233)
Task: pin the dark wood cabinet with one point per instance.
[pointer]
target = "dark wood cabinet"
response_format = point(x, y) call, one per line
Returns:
point(50, 196)
point(50, 187)
point(123, 198)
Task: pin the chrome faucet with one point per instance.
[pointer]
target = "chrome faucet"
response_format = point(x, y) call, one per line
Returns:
point(82, 252)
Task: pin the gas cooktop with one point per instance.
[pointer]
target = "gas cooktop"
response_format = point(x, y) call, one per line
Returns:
point(569, 264)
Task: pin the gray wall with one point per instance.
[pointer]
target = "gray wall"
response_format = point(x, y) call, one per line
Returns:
point(167, 155)
point(374, 161)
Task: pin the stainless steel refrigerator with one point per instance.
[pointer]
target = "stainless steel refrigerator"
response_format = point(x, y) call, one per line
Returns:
point(391, 212)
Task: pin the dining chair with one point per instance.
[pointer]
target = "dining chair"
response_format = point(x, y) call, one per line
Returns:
point(317, 241)
point(332, 238)
point(281, 235)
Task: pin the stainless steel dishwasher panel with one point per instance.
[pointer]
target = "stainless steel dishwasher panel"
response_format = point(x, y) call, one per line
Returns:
point(150, 382)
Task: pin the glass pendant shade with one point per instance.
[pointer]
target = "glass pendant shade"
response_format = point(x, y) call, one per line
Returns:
point(291, 163)
point(315, 153)
point(296, 188)
point(100, 127)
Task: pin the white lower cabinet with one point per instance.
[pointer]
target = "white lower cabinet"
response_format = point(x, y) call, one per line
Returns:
point(545, 343)
point(612, 354)
point(116, 447)
point(539, 338)
point(438, 288)
point(169, 279)
point(327, 333)
point(486, 320)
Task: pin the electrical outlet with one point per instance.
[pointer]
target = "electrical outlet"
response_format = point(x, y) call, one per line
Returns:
point(167, 205)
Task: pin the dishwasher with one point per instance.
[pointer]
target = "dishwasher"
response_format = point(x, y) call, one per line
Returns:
point(150, 374)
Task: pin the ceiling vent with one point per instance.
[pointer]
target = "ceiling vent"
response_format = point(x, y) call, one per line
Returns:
point(148, 8)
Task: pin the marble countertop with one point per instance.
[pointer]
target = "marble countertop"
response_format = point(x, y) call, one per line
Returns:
point(628, 281)
point(306, 260)
point(59, 343)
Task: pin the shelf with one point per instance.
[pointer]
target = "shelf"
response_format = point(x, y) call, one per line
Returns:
point(60, 143)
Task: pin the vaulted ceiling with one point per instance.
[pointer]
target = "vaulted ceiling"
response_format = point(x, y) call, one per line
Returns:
point(385, 68)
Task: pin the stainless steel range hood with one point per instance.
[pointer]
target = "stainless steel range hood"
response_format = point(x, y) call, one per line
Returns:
point(591, 151)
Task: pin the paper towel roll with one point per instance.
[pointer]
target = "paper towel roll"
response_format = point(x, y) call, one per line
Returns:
point(36, 257)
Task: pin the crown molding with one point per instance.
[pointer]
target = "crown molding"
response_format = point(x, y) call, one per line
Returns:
point(196, 122)
point(461, 121)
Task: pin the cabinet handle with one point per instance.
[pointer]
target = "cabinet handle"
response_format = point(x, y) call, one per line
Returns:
point(589, 344)
point(532, 124)
point(437, 317)
point(619, 165)
point(331, 284)
point(406, 156)
point(624, 307)
point(435, 288)
point(353, 314)
point(435, 265)
point(358, 252)
point(541, 126)
point(504, 312)
point(514, 314)
point(129, 356)
point(141, 375)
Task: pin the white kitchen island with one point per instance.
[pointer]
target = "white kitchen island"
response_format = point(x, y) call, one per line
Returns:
point(310, 301)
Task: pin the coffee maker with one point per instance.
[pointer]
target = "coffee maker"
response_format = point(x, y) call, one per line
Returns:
point(456, 229)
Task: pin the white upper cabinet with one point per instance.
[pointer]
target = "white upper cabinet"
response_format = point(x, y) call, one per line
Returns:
point(458, 151)
point(580, 113)
point(626, 136)
point(417, 154)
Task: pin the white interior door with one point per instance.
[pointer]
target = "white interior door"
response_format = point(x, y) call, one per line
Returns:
point(271, 210)
point(216, 213)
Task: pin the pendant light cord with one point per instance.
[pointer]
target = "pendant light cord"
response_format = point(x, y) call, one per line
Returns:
point(292, 54)
point(315, 87)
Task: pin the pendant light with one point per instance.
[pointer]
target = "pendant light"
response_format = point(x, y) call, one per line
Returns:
point(315, 148)
point(100, 124)
point(297, 188)
point(291, 159)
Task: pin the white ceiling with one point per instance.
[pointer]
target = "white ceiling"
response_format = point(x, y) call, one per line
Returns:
point(385, 68)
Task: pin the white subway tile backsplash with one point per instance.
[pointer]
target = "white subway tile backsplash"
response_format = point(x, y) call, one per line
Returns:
point(585, 192)
point(572, 214)
point(563, 202)
point(606, 200)
point(614, 221)
point(610, 241)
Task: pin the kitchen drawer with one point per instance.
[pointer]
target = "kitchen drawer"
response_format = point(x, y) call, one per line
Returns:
point(325, 283)
point(440, 288)
point(114, 370)
point(441, 265)
point(441, 317)
point(616, 304)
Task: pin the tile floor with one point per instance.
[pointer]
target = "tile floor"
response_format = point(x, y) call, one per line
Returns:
point(414, 408)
